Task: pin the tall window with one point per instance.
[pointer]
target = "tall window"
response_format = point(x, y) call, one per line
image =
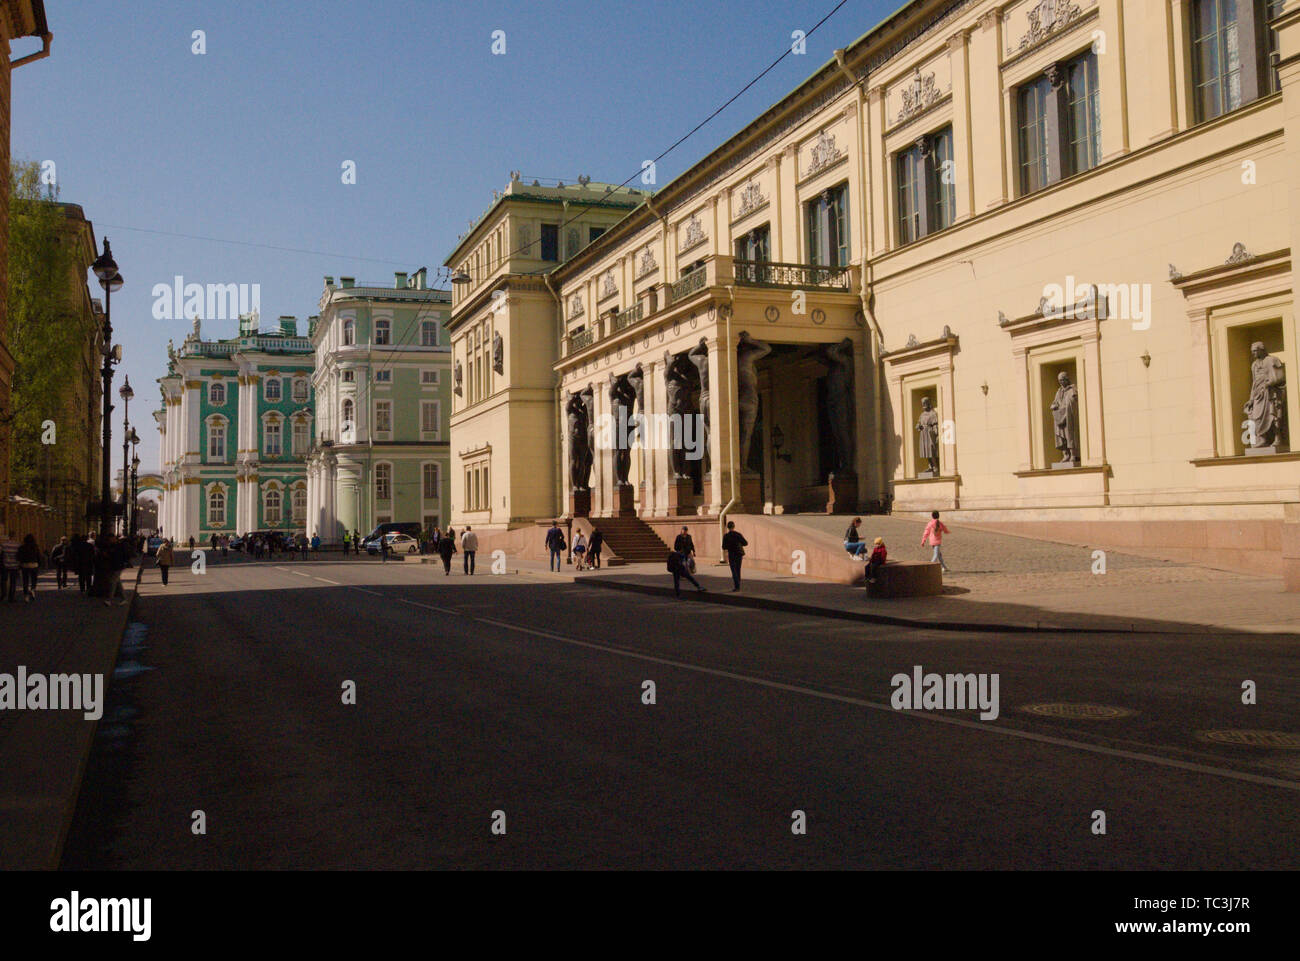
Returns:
point(826, 220)
point(300, 440)
point(299, 502)
point(349, 333)
point(429, 418)
point(271, 507)
point(754, 246)
point(217, 440)
point(383, 416)
point(927, 194)
point(299, 390)
point(1272, 10)
point(428, 375)
point(428, 334)
point(431, 485)
point(383, 482)
point(550, 241)
point(216, 393)
point(1059, 123)
point(216, 507)
point(349, 411)
point(271, 439)
point(383, 330)
point(273, 390)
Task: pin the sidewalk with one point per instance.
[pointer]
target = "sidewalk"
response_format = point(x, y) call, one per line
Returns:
point(43, 753)
point(1135, 595)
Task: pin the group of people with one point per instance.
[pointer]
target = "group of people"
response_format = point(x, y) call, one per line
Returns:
point(586, 551)
point(97, 561)
point(879, 553)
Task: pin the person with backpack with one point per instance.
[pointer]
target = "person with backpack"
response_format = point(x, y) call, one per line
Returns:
point(879, 554)
point(733, 545)
point(593, 548)
point(446, 548)
point(685, 546)
point(29, 564)
point(677, 567)
point(59, 561)
point(934, 532)
point(555, 544)
point(165, 558)
point(853, 542)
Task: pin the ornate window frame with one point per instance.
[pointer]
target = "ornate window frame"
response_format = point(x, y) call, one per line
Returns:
point(919, 366)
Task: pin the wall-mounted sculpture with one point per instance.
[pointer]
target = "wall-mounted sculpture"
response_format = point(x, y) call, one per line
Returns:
point(841, 407)
point(579, 449)
point(748, 353)
point(636, 377)
point(622, 395)
point(458, 376)
point(1266, 426)
point(1065, 418)
point(928, 441)
point(498, 353)
point(699, 356)
point(677, 381)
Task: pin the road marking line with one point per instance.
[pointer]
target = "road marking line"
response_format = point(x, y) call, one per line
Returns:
point(364, 591)
point(980, 726)
point(325, 579)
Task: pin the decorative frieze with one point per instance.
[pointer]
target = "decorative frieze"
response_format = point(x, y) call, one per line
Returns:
point(918, 96)
point(1046, 17)
point(751, 199)
point(823, 153)
point(645, 261)
point(608, 286)
point(693, 235)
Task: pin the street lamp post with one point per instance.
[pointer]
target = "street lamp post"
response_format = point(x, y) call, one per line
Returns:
point(126, 393)
point(105, 268)
point(135, 487)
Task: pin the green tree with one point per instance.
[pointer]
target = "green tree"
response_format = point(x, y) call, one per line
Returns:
point(44, 334)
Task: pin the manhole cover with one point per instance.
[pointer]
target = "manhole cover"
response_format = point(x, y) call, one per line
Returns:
point(1282, 740)
point(1077, 712)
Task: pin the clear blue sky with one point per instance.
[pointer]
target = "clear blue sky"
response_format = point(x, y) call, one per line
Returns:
point(247, 141)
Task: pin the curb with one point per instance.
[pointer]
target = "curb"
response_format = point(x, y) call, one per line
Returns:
point(89, 741)
point(792, 607)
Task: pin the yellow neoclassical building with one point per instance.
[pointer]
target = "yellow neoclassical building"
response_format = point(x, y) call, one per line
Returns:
point(1027, 261)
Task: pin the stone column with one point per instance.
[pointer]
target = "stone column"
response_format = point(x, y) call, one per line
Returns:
point(1112, 79)
point(988, 149)
point(959, 59)
point(1024, 419)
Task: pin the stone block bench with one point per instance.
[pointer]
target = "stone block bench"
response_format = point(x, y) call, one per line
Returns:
point(907, 579)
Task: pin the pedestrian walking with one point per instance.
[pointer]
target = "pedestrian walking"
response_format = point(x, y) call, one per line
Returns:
point(879, 554)
point(9, 581)
point(469, 548)
point(593, 548)
point(225, 545)
point(579, 551)
point(555, 545)
point(677, 567)
point(29, 565)
point(59, 561)
point(118, 560)
point(191, 543)
point(934, 532)
point(853, 542)
point(356, 542)
point(315, 543)
point(165, 558)
point(82, 553)
point(383, 548)
point(446, 548)
point(733, 545)
point(685, 545)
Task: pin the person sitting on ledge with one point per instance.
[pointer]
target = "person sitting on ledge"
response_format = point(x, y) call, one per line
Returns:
point(877, 560)
point(854, 544)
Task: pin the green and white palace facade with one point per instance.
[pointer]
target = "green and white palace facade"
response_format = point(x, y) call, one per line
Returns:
point(236, 428)
point(382, 383)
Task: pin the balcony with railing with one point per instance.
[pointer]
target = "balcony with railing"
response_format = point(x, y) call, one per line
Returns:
point(626, 318)
point(765, 273)
point(581, 340)
point(690, 284)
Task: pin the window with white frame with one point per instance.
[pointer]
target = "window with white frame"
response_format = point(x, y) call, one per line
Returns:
point(428, 334)
point(349, 411)
point(216, 393)
point(383, 377)
point(349, 333)
point(383, 416)
point(430, 416)
point(428, 375)
point(300, 390)
point(272, 445)
point(431, 485)
point(216, 507)
point(383, 482)
point(301, 438)
point(217, 439)
point(272, 505)
point(383, 332)
point(272, 390)
point(349, 376)
point(300, 506)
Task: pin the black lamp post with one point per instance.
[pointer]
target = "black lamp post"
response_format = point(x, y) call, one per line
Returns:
point(126, 393)
point(135, 487)
point(105, 268)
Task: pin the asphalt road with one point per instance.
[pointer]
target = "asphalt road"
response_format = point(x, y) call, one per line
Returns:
point(523, 694)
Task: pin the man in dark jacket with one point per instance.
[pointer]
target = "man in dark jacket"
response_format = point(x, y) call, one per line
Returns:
point(446, 547)
point(733, 545)
point(82, 560)
point(555, 545)
point(593, 548)
point(677, 567)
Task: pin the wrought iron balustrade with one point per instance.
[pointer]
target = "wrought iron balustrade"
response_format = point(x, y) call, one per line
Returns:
point(689, 284)
point(626, 318)
point(767, 273)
